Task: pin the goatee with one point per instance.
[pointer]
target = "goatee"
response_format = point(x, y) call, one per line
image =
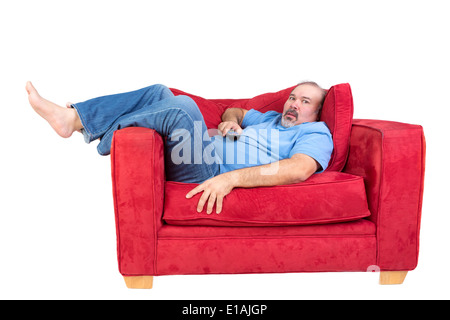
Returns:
point(289, 123)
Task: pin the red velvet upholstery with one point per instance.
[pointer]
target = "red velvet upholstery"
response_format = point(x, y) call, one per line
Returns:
point(137, 163)
point(389, 156)
point(337, 113)
point(334, 247)
point(325, 198)
point(349, 246)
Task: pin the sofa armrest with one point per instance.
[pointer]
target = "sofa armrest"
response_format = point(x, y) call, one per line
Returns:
point(390, 156)
point(137, 165)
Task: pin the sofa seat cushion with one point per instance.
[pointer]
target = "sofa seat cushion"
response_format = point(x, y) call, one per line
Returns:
point(357, 228)
point(327, 197)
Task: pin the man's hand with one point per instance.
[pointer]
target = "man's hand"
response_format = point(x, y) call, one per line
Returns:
point(226, 126)
point(232, 120)
point(214, 191)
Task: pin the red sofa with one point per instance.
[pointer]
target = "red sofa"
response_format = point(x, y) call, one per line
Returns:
point(361, 214)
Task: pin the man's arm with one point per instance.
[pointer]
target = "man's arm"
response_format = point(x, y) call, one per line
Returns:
point(232, 120)
point(296, 169)
point(234, 114)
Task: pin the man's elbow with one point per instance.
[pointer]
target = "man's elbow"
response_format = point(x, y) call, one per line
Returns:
point(305, 172)
point(297, 176)
point(302, 176)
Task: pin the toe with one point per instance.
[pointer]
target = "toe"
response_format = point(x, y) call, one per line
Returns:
point(30, 88)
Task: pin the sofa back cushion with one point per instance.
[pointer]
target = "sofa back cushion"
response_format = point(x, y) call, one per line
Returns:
point(337, 113)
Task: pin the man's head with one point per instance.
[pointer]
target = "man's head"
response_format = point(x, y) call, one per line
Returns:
point(303, 105)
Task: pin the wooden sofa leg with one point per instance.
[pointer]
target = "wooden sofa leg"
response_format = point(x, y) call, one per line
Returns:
point(392, 277)
point(139, 282)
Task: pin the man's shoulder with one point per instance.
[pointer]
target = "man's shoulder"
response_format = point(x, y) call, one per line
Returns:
point(254, 117)
point(265, 113)
point(317, 126)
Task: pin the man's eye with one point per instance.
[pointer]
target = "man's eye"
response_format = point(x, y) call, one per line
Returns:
point(305, 101)
point(291, 98)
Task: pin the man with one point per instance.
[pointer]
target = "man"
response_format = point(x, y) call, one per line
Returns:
point(275, 149)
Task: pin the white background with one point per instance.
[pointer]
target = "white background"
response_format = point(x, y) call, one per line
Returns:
point(57, 231)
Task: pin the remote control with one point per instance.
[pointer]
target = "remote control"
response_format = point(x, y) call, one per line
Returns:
point(232, 133)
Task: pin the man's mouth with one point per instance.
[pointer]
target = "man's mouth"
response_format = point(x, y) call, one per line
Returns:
point(291, 113)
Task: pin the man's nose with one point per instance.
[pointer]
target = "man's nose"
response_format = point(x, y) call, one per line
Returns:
point(295, 105)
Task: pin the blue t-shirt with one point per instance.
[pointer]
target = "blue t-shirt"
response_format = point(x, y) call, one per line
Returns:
point(264, 140)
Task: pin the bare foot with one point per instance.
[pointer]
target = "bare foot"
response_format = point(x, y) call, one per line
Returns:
point(69, 105)
point(63, 120)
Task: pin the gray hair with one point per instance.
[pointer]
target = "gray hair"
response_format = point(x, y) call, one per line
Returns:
point(312, 83)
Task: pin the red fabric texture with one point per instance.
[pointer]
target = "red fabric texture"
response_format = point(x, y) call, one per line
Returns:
point(361, 227)
point(348, 246)
point(337, 113)
point(328, 197)
point(390, 156)
point(265, 255)
point(137, 163)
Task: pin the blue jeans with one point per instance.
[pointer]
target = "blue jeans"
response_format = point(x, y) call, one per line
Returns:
point(177, 118)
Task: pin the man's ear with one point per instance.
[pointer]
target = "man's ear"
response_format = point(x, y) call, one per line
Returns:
point(319, 113)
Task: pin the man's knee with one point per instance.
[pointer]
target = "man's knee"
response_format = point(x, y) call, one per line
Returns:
point(163, 91)
point(188, 105)
point(159, 86)
point(186, 100)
